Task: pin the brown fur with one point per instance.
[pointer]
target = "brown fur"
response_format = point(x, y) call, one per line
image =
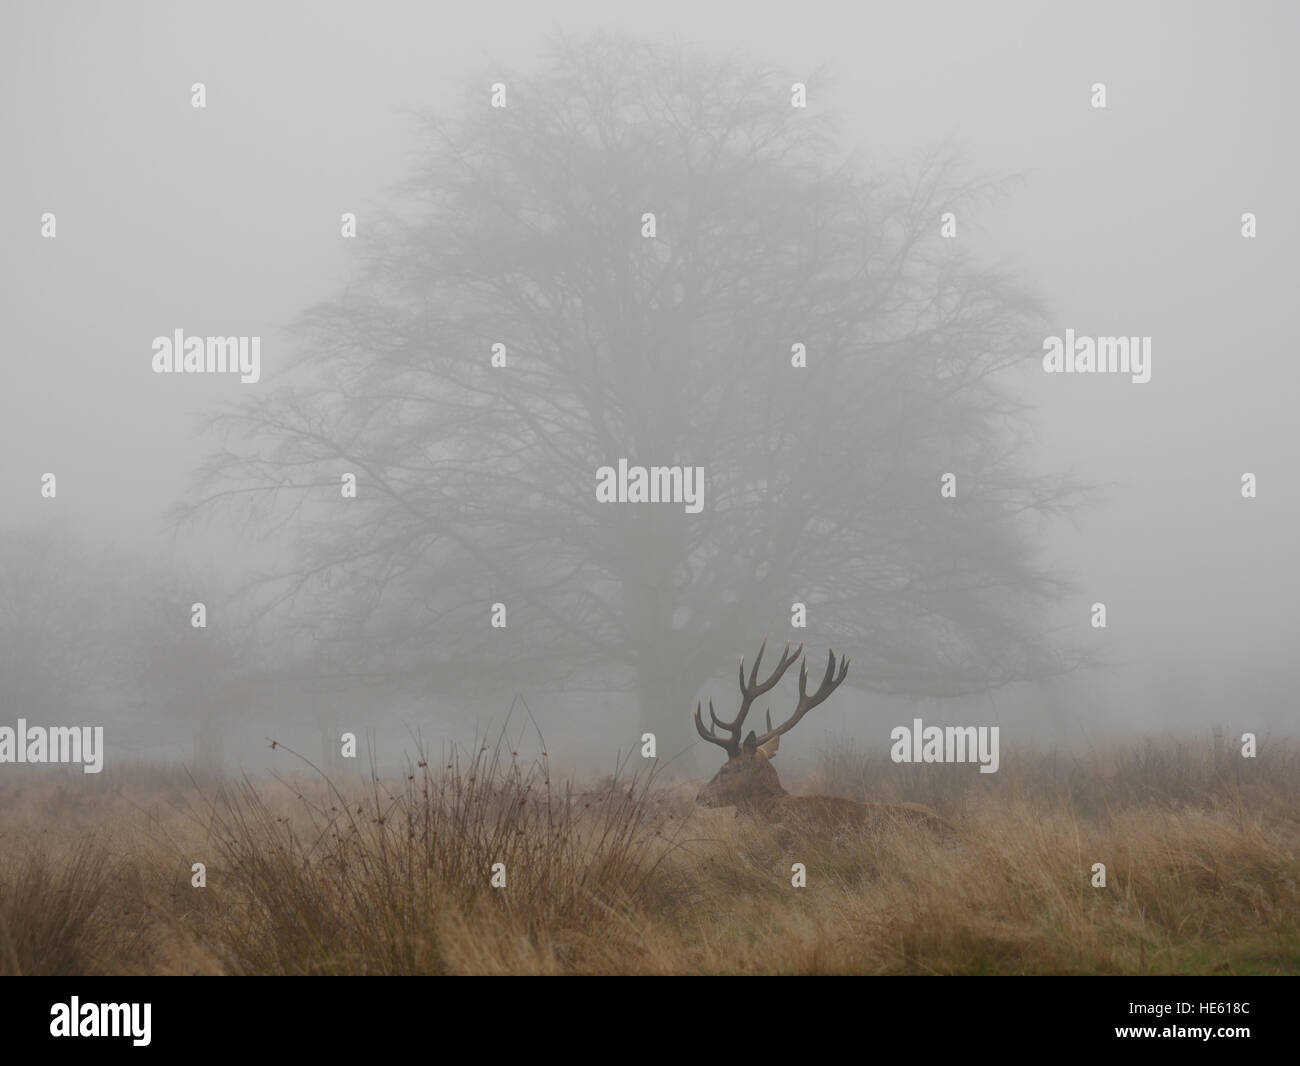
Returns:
point(749, 783)
point(747, 780)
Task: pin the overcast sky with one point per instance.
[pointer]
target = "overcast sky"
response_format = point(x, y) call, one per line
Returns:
point(225, 221)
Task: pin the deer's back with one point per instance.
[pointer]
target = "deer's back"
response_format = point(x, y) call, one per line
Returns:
point(835, 812)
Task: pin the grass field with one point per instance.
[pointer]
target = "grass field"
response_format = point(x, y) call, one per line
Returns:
point(391, 877)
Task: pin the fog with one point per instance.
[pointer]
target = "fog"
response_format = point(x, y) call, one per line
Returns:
point(225, 220)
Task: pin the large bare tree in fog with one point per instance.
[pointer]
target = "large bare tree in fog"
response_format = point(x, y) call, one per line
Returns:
point(476, 483)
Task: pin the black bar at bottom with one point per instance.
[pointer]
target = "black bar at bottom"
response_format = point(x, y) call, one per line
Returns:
point(232, 1016)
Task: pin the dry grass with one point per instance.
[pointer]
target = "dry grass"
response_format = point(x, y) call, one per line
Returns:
point(304, 877)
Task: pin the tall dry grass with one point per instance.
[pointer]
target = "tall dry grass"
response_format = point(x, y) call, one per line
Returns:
point(306, 876)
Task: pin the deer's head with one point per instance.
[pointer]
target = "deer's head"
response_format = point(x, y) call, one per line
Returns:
point(748, 779)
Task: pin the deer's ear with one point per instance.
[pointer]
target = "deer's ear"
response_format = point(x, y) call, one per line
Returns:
point(751, 743)
point(769, 749)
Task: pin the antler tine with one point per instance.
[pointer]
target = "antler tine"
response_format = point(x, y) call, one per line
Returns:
point(730, 745)
point(754, 688)
point(830, 682)
point(750, 690)
point(822, 691)
point(753, 670)
point(753, 674)
point(830, 670)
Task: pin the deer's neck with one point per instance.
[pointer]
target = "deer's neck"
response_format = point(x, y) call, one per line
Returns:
point(764, 803)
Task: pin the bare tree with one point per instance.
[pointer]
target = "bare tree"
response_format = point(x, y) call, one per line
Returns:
point(523, 227)
point(198, 679)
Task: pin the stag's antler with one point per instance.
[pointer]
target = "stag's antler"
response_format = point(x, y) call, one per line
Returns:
point(830, 682)
point(750, 690)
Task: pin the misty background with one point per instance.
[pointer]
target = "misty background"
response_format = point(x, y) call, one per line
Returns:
point(225, 221)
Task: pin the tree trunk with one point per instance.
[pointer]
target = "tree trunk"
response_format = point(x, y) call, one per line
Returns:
point(666, 682)
point(665, 704)
point(209, 747)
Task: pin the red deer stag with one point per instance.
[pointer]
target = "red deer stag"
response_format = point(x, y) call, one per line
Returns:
point(749, 783)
